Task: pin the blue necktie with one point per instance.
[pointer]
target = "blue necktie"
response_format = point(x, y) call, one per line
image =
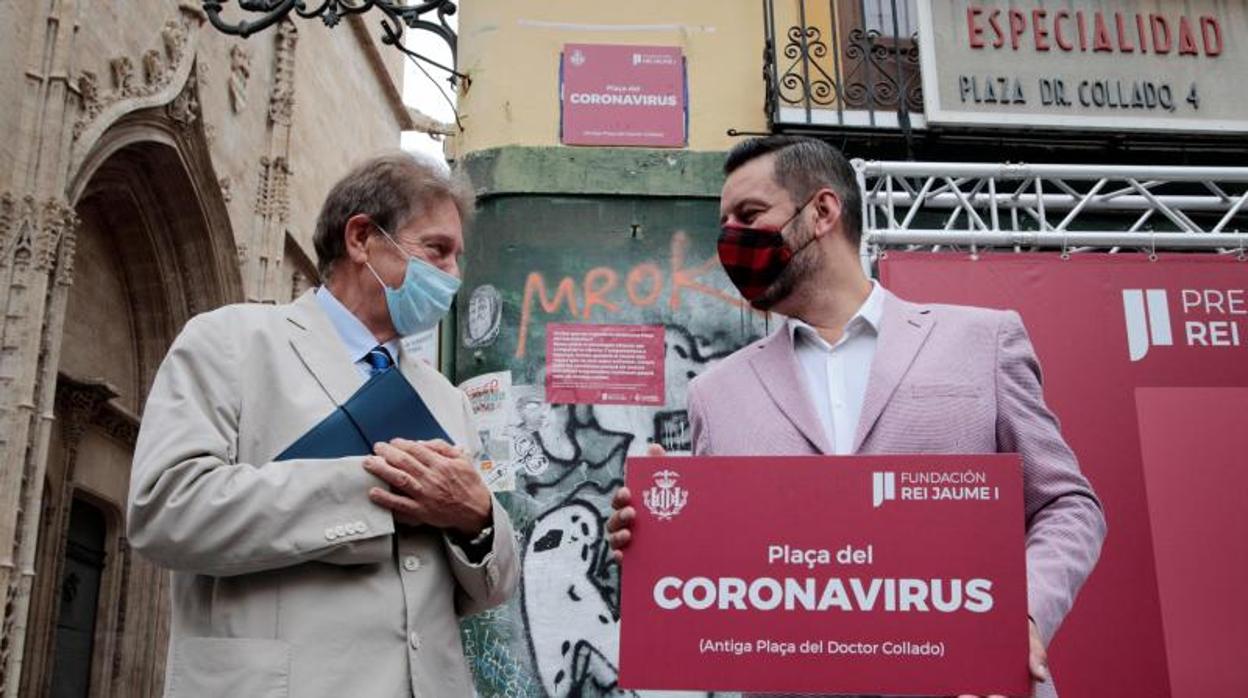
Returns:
point(378, 360)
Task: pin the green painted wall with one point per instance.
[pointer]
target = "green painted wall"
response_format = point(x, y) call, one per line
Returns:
point(643, 172)
point(600, 236)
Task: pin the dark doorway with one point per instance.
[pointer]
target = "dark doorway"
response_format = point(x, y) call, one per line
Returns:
point(80, 595)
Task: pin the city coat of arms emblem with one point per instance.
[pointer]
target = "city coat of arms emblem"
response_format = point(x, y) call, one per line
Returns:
point(665, 499)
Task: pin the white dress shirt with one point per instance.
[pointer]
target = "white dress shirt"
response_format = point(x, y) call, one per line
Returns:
point(355, 336)
point(836, 375)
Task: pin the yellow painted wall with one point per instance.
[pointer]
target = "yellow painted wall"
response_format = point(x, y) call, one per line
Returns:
point(510, 49)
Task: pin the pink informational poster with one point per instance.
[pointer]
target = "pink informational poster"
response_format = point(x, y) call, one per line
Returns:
point(623, 95)
point(604, 364)
point(893, 575)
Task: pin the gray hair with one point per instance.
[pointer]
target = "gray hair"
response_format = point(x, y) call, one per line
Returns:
point(804, 166)
point(391, 189)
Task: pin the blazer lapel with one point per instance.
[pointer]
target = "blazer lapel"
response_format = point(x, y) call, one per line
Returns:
point(423, 378)
point(318, 346)
point(904, 328)
point(777, 369)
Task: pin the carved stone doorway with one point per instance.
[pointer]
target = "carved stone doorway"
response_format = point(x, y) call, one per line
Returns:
point(153, 249)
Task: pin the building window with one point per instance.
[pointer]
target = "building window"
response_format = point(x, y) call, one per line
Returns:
point(893, 18)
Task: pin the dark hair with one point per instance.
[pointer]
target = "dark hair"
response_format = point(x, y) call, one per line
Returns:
point(391, 189)
point(802, 167)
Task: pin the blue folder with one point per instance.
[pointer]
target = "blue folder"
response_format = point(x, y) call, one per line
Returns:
point(386, 407)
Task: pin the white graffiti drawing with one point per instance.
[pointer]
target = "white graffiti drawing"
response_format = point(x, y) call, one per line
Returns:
point(573, 624)
point(573, 630)
point(529, 454)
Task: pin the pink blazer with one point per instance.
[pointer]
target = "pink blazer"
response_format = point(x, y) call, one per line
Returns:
point(945, 379)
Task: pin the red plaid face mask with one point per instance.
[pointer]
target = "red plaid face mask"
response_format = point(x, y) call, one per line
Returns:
point(755, 257)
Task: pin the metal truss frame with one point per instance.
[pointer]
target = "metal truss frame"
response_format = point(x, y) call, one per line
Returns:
point(1072, 208)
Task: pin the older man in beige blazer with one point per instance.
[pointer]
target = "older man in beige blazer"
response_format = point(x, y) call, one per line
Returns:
point(330, 577)
point(856, 370)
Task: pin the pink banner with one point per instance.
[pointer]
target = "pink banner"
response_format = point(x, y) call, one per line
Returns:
point(1145, 363)
point(1196, 480)
point(623, 95)
point(897, 575)
point(604, 364)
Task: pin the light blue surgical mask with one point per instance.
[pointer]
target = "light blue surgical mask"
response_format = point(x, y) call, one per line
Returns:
point(424, 297)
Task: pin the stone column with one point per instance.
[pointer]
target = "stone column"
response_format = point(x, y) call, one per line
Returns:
point(36, 262)
point(263, 276)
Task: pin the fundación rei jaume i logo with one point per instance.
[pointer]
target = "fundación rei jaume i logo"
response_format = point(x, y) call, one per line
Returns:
point(665, 499)
point(1148, 320)
point(968, 485)
point(1207, 317)
point(883, 488)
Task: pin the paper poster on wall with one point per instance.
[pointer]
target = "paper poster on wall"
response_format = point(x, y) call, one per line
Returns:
point(423, 346)
point(623, 95)
point(490, 395)
point(604, 364)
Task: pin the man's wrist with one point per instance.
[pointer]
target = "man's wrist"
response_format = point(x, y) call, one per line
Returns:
point(483, 518)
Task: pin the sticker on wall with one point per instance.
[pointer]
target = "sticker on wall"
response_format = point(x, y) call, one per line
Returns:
point(604, 364)
point(490, 397)
point(423, 346)
point(485, 315)
point(531, 417)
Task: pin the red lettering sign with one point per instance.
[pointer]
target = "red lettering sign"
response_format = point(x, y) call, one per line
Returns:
point(1096, 31)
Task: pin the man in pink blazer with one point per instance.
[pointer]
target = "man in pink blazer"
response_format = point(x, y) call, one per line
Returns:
point(857, 370)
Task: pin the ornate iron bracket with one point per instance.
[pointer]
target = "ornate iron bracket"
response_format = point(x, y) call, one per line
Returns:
point(398, 16)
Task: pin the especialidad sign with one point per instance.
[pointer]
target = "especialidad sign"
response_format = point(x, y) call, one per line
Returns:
point(864, 574)
point(623, 96)
point(1086, 64)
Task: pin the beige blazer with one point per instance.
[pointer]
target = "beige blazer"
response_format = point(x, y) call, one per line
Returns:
point(287, 580)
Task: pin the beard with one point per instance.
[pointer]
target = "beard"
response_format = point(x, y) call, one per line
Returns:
point(802, 265)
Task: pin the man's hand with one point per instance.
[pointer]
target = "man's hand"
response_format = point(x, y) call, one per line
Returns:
point(1038, 662)
point(432, 483)
point(618, 526)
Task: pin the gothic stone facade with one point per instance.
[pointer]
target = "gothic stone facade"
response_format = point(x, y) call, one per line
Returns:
point(150, 168)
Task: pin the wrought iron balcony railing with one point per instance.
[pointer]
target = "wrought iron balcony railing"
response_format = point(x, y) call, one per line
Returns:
point(842, 63)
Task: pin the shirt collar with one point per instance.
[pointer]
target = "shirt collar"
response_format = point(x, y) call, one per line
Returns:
point(355, 336)
point(868, 315)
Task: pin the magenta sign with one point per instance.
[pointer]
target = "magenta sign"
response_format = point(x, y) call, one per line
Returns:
point(623, 95)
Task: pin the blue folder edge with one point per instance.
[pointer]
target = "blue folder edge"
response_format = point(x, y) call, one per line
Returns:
point(384, 408)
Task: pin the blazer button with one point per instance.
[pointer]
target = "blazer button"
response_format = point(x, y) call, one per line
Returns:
point(411, 563)
point(414, 640)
